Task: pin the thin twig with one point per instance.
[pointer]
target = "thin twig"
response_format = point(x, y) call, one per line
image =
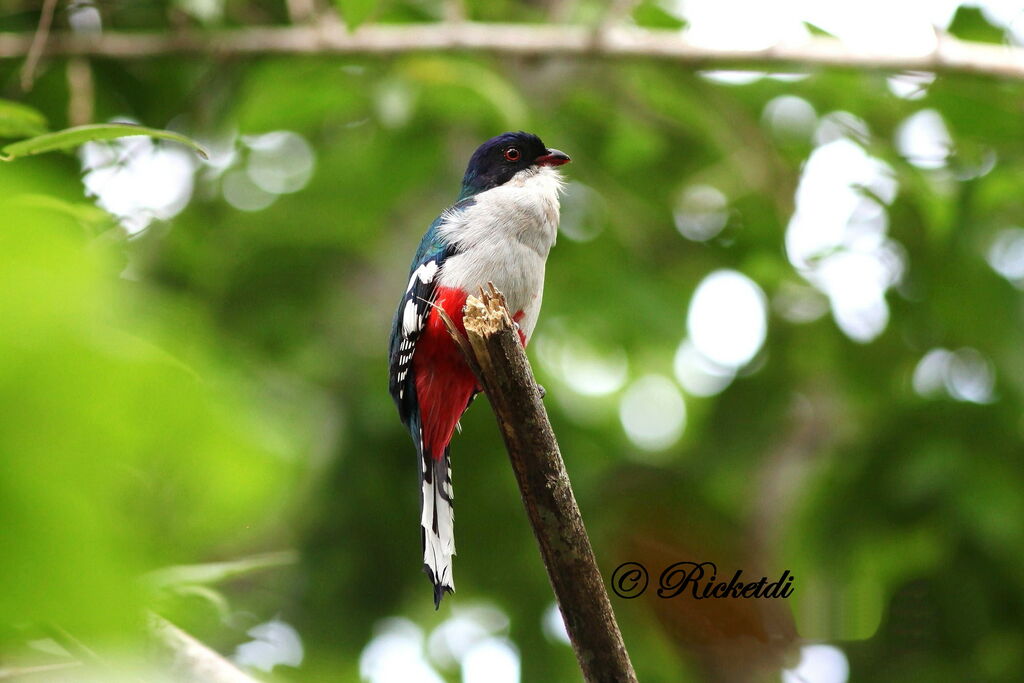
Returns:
point(74, 647)
point(949, 56)
point(36, 47)
point(191, 659)
point(454, 11)
point(301, 11)
point(81, 93)
point(22, 671)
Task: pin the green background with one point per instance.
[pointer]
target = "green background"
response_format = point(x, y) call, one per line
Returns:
point(213, 386)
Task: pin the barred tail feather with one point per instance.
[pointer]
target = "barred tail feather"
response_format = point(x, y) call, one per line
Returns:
point(437, 524)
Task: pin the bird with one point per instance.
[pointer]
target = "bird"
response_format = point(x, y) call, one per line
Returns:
point(499, 230)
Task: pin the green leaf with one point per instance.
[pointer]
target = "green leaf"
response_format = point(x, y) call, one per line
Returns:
point(969, 23)
point(355, 12)
point(72, 137)
point(93, 219)
point(18, 120)
point(650, 14)
point(817, 30)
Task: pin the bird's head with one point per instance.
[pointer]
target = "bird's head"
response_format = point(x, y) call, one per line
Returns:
point(499, 159)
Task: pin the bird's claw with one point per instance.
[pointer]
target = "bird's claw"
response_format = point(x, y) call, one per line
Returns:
point(542, 390)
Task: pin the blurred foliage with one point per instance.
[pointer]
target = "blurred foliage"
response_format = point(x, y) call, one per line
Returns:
point(75, 136)
point(213, 386)
point(125, 444)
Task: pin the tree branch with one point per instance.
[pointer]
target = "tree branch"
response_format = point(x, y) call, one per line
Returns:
point(81, 92)
point(191, 659)
point(949, 56)
point(37, 45)
point(506, 377)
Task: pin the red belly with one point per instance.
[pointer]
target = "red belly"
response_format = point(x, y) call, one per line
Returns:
point(444, 383)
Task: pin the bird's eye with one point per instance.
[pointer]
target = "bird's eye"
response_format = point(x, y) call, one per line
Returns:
point(511, 154)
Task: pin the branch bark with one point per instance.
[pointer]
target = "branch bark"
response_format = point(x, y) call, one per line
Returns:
point(949, 56)
point(505, 375)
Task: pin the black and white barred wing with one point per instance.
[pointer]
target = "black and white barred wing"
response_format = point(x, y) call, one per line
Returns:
point(436, 511)
point(408, 325)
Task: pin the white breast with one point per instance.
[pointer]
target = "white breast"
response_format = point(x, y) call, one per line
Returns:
point(504, 238)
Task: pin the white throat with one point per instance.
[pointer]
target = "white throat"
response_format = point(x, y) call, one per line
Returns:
point(525, 209)
point(504, 237)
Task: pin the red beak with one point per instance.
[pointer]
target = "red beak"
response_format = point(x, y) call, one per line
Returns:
point(552, 158)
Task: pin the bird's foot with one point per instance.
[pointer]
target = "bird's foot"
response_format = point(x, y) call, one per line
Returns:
point(542, 390)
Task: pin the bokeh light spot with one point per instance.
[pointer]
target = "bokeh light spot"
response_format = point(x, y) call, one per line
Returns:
point(912, 85)
point(837, 239)
point(452, 641)
point(1006, 255)
point(280, 162)
point(585, 369)
point(799, 303)
point(275, 642)
point(653, 413)
point(924, 140)
point(790, 117)
point(964, 375)
point(698, 375)
point(243, 194)
point(83, 17)
point(553, 625)
point(701, 212)
point(727, 320)
point(819, 664)
point(841, 125)
point(138, 180)
point(494, 660)
point(395, 655)
point(584, 212)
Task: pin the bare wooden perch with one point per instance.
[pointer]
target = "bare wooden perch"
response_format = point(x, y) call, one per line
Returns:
point(504, 373)
point(950, 55)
